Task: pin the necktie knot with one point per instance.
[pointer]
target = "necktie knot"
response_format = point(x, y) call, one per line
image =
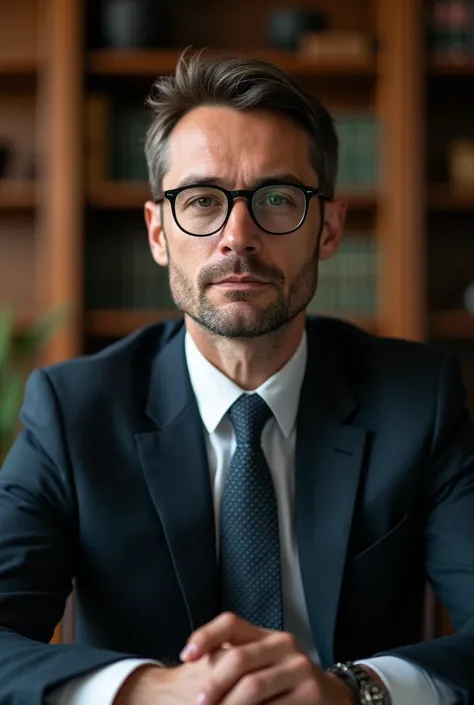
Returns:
point(249, 415)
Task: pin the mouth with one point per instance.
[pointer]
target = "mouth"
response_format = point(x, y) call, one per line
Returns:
point(245, 283)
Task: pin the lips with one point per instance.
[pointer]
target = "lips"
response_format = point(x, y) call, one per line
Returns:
point(240, 280)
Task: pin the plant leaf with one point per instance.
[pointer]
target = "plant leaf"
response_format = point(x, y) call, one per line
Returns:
point(6, 337)
point(40, 332)
point(11, 397)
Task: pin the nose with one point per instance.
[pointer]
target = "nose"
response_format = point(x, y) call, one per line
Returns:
point(240, 234)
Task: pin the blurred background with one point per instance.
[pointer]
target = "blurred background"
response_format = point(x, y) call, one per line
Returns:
point(398, 76)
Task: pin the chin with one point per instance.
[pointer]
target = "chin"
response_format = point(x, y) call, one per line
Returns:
point(240, 320)
point(240, 313)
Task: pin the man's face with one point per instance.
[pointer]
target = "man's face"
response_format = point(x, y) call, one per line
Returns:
point(241, 281)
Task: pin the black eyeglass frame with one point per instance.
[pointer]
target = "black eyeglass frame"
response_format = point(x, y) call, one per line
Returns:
point(308, 191)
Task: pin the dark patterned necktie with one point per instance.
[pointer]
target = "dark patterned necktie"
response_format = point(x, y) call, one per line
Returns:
point(249, 538)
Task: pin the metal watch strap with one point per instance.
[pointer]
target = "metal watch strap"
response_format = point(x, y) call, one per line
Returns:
point(368, 691)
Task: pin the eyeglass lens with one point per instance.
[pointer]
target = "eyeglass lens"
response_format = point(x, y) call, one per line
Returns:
point(202, 210)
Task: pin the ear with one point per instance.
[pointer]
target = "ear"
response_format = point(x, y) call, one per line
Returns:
point(334, 220)
point(156, 235)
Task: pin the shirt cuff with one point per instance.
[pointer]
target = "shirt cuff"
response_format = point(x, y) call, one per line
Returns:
point(100, 687)
point(408, 684)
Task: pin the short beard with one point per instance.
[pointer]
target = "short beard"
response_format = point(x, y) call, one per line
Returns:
point(230, 324)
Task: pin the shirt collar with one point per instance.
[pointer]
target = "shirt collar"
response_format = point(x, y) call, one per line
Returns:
point(215, 393)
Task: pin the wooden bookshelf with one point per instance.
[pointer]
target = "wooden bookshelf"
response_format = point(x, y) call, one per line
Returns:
point(155, 63)
point(17, 195)
point(452, 325)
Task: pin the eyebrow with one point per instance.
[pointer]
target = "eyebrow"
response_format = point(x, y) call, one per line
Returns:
point(214, 180)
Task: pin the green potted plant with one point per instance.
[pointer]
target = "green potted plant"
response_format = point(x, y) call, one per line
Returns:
point(17, 349)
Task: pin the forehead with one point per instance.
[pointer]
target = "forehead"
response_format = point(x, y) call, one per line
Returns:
point(238, 146)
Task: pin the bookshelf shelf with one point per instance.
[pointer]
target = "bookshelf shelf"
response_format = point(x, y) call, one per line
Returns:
point(122, 322)
point(451, 325)
point(118, 195)
point(17, 195)
point(443, 198)
point(123, 195)
point(445, 66)
point(18, 66)
point(154, 63)
point(360, 201)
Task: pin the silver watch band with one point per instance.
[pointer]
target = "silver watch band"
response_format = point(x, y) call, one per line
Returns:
point(367, 689)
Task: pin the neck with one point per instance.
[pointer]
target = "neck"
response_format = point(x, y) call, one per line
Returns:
point(249, 362)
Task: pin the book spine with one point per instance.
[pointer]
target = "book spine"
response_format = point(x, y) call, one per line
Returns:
point(96, 132)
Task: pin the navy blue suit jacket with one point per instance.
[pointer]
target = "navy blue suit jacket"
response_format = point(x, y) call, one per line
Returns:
point(108, 485)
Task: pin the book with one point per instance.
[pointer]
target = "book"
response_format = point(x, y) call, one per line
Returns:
point(96, 131)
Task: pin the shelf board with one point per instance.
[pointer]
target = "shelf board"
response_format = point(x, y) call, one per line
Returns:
point(121, 322)
point(108, 62)
point(367, 323)
point(359, 201)
point(452, 325)
point(17, 195)
point(18, 66)
point(442, 197)
point(116, 323)
point(123, 195)
point(446, 66)
point(118, 195)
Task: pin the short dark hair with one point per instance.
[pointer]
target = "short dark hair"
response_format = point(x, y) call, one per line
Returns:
point(242, 84)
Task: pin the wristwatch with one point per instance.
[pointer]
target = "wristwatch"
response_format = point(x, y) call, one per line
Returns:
point(367, 690)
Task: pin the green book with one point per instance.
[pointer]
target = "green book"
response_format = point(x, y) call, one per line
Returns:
point(127, 160)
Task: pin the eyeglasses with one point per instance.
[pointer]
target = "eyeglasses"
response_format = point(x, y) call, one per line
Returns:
point(277, 208)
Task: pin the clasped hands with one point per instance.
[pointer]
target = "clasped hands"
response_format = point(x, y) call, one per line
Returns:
point(232, 662)
point(251, 665)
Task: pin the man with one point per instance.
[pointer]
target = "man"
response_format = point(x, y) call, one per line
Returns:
point(248, 497)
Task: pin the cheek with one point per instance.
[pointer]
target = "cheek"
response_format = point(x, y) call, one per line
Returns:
point(294, 252)
point(189, 253)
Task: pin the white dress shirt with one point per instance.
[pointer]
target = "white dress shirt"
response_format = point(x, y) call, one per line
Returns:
point(215, 394)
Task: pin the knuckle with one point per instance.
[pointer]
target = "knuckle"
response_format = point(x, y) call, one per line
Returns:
point(274, 639)
point(237, 660)
point(228, 619)
point(301, 665)
point(286, 640)
point(253, 688)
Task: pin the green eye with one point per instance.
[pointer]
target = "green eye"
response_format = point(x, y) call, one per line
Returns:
point(275, 198)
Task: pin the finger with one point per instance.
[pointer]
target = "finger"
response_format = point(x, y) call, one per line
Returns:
point(241, 661)
point(227, 627)
point(281, 683)
point(308, 693)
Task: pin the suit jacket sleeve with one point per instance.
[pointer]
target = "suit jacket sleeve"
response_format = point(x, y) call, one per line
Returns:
point(37, 556)
point(450, 535)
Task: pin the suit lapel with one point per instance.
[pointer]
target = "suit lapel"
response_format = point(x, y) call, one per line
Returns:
point(328, 462)
point(174, 461)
